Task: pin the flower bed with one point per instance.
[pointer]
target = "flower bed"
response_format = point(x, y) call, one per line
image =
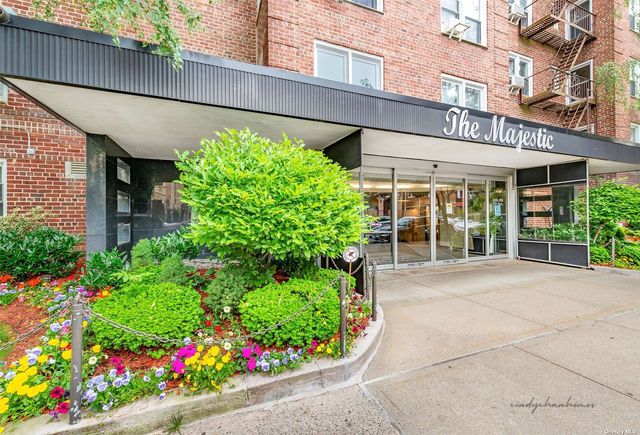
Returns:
point(217, 348)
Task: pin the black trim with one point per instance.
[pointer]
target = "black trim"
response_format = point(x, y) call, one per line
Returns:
point(47, 52)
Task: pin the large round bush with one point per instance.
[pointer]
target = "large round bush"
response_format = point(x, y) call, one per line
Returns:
point(269, 200)
point(274, 303)
point(164, 309)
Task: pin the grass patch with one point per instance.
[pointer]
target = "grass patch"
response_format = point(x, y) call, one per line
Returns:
point(5, 335)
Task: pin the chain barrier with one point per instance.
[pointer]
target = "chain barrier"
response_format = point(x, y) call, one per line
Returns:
point(44, 324)
point(208, 342)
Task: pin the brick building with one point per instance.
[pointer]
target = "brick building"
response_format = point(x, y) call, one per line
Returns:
point(527, 60)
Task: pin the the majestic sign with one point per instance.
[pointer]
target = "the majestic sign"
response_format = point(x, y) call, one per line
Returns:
point(458, 124)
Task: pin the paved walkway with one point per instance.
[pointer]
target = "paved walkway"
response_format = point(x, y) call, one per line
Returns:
point(472, 348)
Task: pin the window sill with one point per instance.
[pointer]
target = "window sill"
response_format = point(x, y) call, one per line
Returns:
point(477, 44)
point(380, 11)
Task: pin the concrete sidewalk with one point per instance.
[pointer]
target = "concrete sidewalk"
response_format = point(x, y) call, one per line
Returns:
point(473, 348)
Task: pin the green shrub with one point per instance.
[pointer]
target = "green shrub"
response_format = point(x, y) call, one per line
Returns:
point(165, 309)
point(226, 290)
point(172, 269)
point(102, 269)
point(24, 221)
point(142, 254)
point(253, 197)
point(327, 276)
point(174, 244)
point(567, 232)
point(630, 254)
point(43, 251)
point(599, 254)
point(273, 303)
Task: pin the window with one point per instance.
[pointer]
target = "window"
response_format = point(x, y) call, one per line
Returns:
point(3, 187)
point(373, 4)
point(4, 93)
point(635, 133)
point(348, 66)
point(123, 172)
point(464, 93)
point(520, 66)
point(634, 78)
point(123, 203)
point(526, 21)
point(634, 15)
point(123, 234)
point(470, 12)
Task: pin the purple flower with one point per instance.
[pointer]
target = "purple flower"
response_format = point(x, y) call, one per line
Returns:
point(276, 363)
point(290, 351)
point(10, 375)
point(162, 385)
point(117, 382)
point(285, 361)
point(266, 354)
point(265, 367)
point(102, 386)
point(160, 372)
point(113, 373)
point(300, 351)
point(162, 396)
point(106, 406)
point(66, 323)
point(90, 395)
point(31, 359)
point(294, 357)
point(55, 327)
point(36, 351)
point(146, 378)
point(187, 341)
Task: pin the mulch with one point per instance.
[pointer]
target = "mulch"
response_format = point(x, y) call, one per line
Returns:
point(22, 317)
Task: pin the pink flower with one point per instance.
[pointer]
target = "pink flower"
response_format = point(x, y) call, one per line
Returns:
point(314, 343)
point(63, 408)
point(120, 369)
point(187, 351)
point(116, 361)
point(251, 364)
point(246, 352)
point(57, 392)
point(257, 350)
point(178, 366)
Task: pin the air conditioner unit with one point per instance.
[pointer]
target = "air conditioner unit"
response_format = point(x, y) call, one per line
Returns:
point(455, 28)
point(516, 13)
point(516, 84)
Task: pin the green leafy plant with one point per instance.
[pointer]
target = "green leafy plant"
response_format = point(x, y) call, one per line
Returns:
point(599, 254)
point(101, 269)
point(274, 303)
point(41, 251)
point(165, 309)
point(172, 269)
point(630, 254)
point(6, 335)
point(568, 232)
point(258, 200)
point(24, 221)
point(176, 424)
point(174, 243)
point(156, 353)
point(226, 290)
point(142, 254)
point(151, 20)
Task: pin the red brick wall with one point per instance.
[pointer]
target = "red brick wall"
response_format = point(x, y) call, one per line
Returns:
point(39, 180)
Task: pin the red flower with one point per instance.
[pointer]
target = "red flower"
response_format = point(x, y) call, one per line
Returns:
point(33, 282)
point(63, 408)
point(207, 323)
point(5, 278)
point(120, 369)
point(218, 329)
point(355, 329)
point(311, 350)
point(116, 361)
point(57, 392)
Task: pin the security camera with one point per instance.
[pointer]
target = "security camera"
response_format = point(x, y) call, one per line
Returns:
point(435, 166)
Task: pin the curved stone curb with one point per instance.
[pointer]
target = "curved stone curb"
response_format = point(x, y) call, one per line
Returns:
point(150, 414)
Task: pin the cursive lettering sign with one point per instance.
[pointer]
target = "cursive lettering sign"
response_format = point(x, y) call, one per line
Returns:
point(458, 124)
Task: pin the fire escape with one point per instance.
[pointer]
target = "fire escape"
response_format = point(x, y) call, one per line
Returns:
point(560, 89)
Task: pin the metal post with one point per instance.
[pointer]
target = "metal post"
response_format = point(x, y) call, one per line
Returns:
point(343, 316)
point(77, 313)
point(613, 252)
point(374, 293)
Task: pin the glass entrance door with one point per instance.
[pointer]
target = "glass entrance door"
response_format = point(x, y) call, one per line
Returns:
point(477, 217)
point(378, 196)
point(450, 219)
point(414, 219)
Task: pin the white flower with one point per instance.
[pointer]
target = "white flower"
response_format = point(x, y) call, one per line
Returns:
point(227, 309)
point(93, 360)
point(208, 341)
point(51, 361)
point(226, 345)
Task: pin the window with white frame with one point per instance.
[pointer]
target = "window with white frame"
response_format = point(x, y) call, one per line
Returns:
point(4, 93)
point(634, 78)
point(348, 66)
point(473, 13)
point(634, 15)
point(527, 10)
point(373, 4)
point(459, 92)
point(635, 133)
point(3, 187)
point(521, 69)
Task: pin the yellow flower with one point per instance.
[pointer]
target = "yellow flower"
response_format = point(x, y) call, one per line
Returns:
point(42, 358)
point(64, 344)
point(215, 351)
point(190, 361)
point(4, 406)
point(41, 387)
point(96, 348)
point(329, 350)
point(54, 342)
point(23, 368)
point(219, 366)
point(175, 376)
point(200, 348)
point(226, 358)
point(22, 390)
point(31, 371)
point(84, 323)
point(66, 355)
point(1, 429)
point(105, 293)
point(23, 361)
point(32, 392)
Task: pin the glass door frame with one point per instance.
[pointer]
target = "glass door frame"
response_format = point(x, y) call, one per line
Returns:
point(433, 177)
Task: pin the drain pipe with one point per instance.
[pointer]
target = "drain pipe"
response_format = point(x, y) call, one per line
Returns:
point(5, 16)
